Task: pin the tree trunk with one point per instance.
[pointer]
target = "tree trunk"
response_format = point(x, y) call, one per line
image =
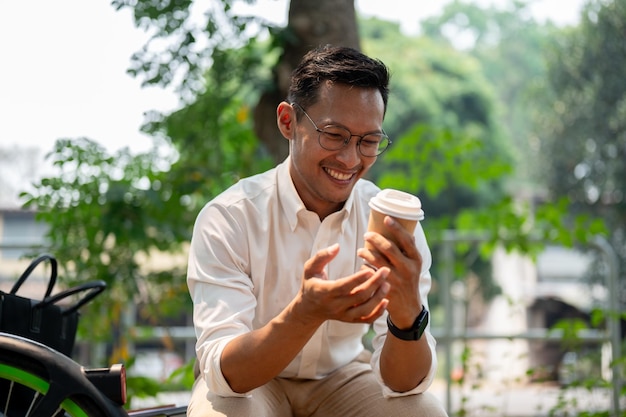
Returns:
point(312, 23)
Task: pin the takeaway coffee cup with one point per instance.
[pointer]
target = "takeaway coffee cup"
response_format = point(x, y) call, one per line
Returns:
point(405, 208)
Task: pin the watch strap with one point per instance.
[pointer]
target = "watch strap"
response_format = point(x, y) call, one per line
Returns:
point(415, 331)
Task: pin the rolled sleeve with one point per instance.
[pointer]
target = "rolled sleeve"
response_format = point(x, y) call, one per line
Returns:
point(422, 386)
point(222, 296)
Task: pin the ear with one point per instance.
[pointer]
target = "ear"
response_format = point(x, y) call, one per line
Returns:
point(286, 117)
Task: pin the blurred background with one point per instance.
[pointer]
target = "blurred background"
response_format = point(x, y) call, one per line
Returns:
point(121, 119)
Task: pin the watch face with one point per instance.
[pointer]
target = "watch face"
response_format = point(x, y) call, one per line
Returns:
point(423, 323)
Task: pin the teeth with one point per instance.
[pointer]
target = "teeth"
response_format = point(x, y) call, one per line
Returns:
point(338, 175)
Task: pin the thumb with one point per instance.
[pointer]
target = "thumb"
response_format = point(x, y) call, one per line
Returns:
point(314, 267)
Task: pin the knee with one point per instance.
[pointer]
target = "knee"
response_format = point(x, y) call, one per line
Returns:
point(206, 404)
point(215, 406)
point(430, 406)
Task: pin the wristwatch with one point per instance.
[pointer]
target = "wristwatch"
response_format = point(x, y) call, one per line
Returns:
point(415, 331)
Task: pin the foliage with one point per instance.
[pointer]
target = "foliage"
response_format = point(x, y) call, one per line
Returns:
point(140, 387)
point(588, 112)
point(182, 43)
point(585, 391)
point(511, 47)
point(584, 133)
point(112, 217)
point(451, 165)
point(583, 142)
point(106, 212)
point(512, 51)
point(213, 135)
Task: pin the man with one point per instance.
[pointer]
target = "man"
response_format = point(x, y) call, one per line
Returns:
point(281, 293)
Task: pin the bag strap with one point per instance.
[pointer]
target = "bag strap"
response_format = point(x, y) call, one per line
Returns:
point(31, 268)
point(93, 289)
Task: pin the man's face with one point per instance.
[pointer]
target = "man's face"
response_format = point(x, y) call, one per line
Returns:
point(324, 179)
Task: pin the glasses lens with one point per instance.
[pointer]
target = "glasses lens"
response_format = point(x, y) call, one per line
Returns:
point(333, 138)
point(373, 145)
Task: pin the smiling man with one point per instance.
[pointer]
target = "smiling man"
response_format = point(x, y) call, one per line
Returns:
point(281, 296)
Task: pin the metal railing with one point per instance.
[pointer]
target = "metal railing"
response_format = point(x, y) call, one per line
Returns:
point(447, 336)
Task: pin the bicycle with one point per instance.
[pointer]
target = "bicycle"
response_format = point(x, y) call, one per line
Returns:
point(38, 381)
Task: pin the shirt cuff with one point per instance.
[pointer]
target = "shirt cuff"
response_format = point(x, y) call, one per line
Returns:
point(211, 369)
point(421, 387)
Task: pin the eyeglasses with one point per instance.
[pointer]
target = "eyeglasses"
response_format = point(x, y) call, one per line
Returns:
point(334, 138)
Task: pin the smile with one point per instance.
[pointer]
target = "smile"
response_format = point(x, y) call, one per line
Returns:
point(338, 175)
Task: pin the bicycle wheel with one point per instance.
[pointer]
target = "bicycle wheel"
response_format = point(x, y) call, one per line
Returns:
point(37, 381)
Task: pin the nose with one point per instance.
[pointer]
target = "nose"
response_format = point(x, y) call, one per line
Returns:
point(350, 154)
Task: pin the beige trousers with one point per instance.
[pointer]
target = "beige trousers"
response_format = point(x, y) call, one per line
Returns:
point(351, 391)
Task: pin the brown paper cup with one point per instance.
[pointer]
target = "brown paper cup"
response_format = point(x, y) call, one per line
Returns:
point(405, 208)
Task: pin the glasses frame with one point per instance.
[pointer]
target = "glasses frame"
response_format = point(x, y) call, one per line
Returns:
point(348, 140)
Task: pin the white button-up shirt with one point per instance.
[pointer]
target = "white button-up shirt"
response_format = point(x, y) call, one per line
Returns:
point(246, 261)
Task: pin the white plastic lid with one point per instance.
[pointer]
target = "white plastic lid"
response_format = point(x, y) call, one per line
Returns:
point(398, 204)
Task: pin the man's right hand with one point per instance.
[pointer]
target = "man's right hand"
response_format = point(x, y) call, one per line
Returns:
point(251, 359)
point(357, 298)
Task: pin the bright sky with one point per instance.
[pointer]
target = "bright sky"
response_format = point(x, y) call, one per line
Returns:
point(63, 71)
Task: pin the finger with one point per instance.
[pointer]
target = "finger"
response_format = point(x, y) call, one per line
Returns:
point(372, 308)
point(378, 250)
point(376, 312)
point(371, 258)
point(405, 240)
point(366, 290)
point(314, 267)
